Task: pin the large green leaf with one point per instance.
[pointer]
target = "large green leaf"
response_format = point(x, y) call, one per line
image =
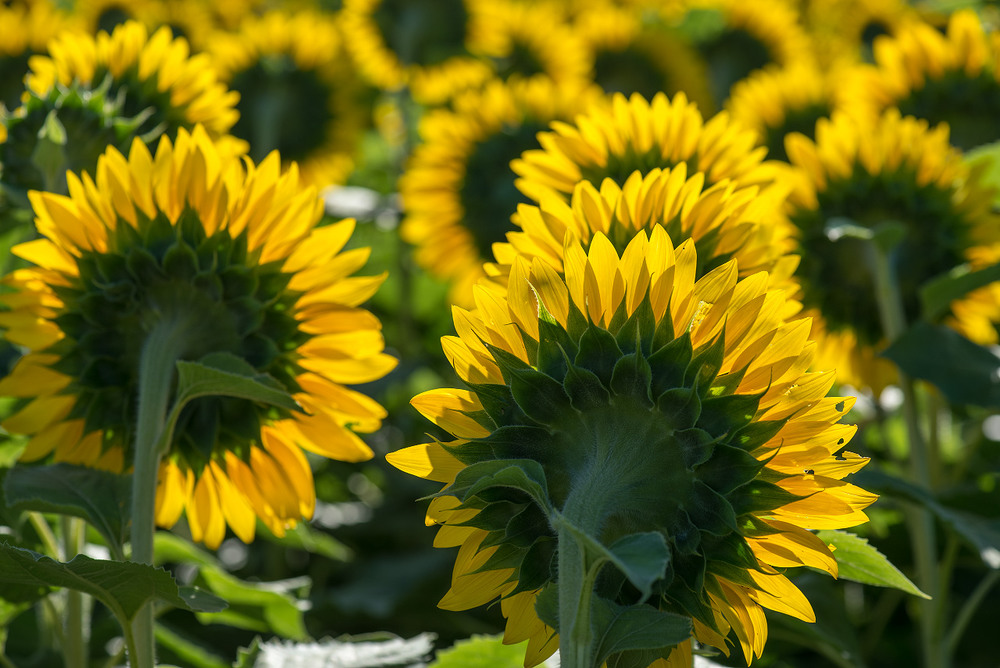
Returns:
point(982, 533)
point(965, 373)
point(937, 294)
point(309, 539)
point(619, 629)
point(101, 498)
point(860, 562)
point(224, 374)
point(267, 607)
point(123, 586)
point(481, 652)
point(190, 653)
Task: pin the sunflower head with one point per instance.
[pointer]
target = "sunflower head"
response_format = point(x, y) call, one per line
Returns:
point(458, 190)
point(153, 74)
point(67, 129)
point(631, 397)
point(220, 262)
point(944, 77)
point(890, 170)
point(296, 95)
point(635, 134)
point(28, 27)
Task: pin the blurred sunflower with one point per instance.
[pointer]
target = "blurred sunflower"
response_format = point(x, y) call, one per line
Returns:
point(724, 221)
point(949, 78)
point(529, 40)
point(633, 134)
point(218, 261)
point(637, 52)
point(458, 191)
point(639, 399)
point(421, 44)
point(777, 101)
point(106, 15)
point(845, 30)
point(27, 29)
point(734, 38)
point(892, 169)
point(297, 95)
point(155, 74)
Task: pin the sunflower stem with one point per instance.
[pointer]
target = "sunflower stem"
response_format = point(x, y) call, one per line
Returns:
point(75, 645)
point(164, 345)
point(921, 522)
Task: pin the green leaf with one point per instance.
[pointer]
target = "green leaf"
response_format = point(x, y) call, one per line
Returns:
point(257, 606)
point(860, 562)
point(225, 374)
point(481, 652)
point(101, 498)
point(525, 475)
point(190, 653)
point(965, 373)
point(123, 586)
point(641, 557)
point(937, 294)
point(985, 158)
point(637, 627)
point(982, 533)
point(247, 657)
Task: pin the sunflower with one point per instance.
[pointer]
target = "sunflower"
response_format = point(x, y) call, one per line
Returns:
point(724, 221)
point(297, 95)
point(529, 40)
point(777, 101)
point(872, 172)
point(949, 78)
point(734, 38)
point(633, 134)
point(845, 30)
point(458, 191)
point(154, 73)
point(636, 399)
point(421, 44)
point(27, 30)
point(106, 15)
point(221, 260)
point(633, 54)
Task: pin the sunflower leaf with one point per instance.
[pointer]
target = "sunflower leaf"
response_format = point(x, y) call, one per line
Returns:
point(225, 374)
point(966, 373)
point(860, 562)
point(123, 586)
point(937, 294)
point(101, 498)
point(619, 629)
point(481, 652)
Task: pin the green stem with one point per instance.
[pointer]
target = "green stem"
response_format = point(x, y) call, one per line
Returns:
point(44, 532)
point(161, 350)
point(969, 609)
point(921, 522)
point(75, 645)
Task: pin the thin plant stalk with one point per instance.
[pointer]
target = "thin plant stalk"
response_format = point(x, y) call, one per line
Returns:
point(75, 637)
point(922, 530)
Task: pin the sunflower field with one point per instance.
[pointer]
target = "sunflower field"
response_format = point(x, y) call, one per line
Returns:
point(499, 333)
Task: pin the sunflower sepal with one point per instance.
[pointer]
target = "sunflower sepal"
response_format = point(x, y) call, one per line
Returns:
point(524, 475)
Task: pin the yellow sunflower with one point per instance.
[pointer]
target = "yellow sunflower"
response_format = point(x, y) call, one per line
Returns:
point(419, 44)
point(637, 52)
point(949, 78)
point(734, 38)
point(845, 30)
point(629, 400)
point(27, 29)
point(528, 40)
point(892, 169)
point(154, 73)
point(777, 101)
point(458, 191)
point(633, 134)
point(297, 94)
point(724, 221)
point(219, 261)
